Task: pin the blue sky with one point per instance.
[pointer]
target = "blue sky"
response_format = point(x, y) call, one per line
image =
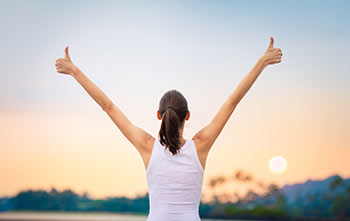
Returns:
point(216, 40)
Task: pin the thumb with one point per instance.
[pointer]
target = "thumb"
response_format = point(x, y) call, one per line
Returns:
point(271, 42)
point(66, 52)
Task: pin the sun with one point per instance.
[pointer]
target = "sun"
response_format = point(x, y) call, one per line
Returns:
point(277, 165)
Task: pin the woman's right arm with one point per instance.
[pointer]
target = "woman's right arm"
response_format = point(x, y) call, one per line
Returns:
point(142, 140)
point(206, 137)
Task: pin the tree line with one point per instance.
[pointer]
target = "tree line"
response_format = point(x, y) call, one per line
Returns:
point(267, 203)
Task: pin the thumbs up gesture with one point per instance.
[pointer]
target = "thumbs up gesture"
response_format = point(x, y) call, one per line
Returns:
point(65, 65)
point(272, 55)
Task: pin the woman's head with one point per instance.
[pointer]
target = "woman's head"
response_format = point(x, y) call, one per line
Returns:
point(172, 111)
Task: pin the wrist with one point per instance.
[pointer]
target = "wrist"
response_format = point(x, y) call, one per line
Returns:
point(75, 71)
point(263, 62)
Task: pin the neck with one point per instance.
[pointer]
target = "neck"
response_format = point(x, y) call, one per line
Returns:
point(182, 140)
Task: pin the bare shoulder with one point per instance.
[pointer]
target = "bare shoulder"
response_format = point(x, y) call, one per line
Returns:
point(202, 145)
point(149, 144)
point(147, 151)
point(202, 150)
point(198, 143)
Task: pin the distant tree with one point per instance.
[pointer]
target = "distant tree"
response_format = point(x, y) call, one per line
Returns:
point(239, 175)
point(337, 181)
point(5, 204)
point(340, 206)
point(42, 200)
point(216, 181)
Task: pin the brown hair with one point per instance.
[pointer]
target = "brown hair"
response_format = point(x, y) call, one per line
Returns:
point(173, 110)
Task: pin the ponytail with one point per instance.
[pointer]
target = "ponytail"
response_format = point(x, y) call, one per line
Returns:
point(169, 131)
point(173, 110)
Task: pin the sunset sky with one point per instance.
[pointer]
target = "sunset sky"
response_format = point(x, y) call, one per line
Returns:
point(52, 134)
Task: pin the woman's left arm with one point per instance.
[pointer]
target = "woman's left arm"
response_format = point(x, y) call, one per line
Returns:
point(137, 136)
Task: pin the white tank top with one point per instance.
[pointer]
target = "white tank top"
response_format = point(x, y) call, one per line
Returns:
point(174, 183)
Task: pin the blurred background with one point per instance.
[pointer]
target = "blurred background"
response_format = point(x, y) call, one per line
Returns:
point(291, 129)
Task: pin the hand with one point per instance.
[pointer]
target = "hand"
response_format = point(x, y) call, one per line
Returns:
point(65, 65)
point(272, 55)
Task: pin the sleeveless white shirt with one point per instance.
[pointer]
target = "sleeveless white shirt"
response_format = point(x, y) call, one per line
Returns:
point(174, 183)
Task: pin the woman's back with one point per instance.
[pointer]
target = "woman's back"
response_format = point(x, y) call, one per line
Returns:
point(175, 183)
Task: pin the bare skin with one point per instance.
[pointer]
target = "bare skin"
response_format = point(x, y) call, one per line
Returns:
point(143, 141)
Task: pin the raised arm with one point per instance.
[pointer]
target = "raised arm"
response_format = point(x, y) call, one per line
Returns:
point(206, 137)
point(138, 137)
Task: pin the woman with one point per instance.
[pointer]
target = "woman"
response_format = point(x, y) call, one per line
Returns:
point(174, 166)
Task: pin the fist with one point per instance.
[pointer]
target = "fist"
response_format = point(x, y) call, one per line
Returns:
point(65, 65)
point(272, 55)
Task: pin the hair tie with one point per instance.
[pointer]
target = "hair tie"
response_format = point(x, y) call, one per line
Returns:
point(170, 108)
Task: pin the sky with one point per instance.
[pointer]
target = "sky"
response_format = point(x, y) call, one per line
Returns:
point(52, 134)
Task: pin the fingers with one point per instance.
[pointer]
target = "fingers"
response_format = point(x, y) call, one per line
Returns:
point(279, 52)
point(276, 51)
point(271, 42)
point(66, 52)
point(63, 64)
point(58, 61)
point(59, 65)
point(276, 60)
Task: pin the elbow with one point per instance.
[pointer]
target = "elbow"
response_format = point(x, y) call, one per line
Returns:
point(107, 107)
point(235, 101)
